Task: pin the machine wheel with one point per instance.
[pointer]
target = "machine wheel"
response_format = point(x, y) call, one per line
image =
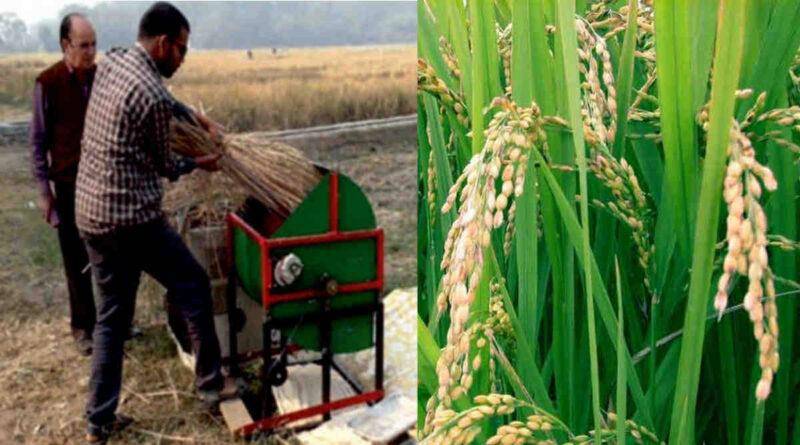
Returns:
point(278, 374)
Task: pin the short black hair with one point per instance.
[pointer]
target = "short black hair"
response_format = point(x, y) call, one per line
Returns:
point(162, 19)
point(66, 25)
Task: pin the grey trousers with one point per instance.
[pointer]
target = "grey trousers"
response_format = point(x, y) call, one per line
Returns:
point(118, 259)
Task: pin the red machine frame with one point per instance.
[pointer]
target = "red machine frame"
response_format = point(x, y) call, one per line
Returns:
point(333, 235)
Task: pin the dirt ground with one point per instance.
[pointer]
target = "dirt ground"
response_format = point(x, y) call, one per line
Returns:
point(43, 381)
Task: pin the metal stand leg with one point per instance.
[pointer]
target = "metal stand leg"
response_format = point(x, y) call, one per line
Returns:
point(268, 399)
point(379, 346)
point(230, 306)
point(327, 354)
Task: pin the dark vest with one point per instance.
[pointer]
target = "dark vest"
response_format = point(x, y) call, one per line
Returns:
point(64, 114)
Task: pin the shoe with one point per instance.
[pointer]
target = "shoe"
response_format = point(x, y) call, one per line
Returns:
point(209, 400)
point(101, 436)
point(231, 388)
point(134, 332)
point(83, 342)
point(84, 346)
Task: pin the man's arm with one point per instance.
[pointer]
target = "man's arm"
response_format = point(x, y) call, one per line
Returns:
point(39, 164)
point(207, 162)
point(38, 140)
point(169, 164)
point(182, 112)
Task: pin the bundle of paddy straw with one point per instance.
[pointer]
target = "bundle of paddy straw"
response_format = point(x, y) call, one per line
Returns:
point(276, 174)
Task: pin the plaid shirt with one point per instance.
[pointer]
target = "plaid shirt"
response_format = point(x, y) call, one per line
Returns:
point(124, 149)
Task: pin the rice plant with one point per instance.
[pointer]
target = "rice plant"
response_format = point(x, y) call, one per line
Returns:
point(608, 221)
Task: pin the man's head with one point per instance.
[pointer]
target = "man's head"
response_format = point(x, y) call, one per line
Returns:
point(164, 33)
point(78, 42)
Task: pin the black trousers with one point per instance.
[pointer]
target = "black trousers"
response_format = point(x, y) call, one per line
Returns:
point(73, 253)
point(118, 259)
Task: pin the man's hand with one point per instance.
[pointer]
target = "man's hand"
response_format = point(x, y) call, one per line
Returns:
point(47, 204)
point(208, 163)
point(214, 128)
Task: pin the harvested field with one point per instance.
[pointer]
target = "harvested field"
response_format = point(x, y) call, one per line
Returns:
point(292, 89)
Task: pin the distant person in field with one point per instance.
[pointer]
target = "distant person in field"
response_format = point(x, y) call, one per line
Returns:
point(60, 96)
point(250, 54)
point(118, 210)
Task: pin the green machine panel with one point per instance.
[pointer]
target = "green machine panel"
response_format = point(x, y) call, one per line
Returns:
point(333, 233)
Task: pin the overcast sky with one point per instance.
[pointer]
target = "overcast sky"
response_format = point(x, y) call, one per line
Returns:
point(33, 11)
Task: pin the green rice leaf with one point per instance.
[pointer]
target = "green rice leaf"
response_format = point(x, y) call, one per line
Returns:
point(728, 54)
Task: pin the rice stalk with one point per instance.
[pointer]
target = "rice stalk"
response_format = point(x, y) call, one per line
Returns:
point(276, 174)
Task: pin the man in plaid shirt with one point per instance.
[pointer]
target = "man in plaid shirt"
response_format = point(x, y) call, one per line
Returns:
point(118, 209)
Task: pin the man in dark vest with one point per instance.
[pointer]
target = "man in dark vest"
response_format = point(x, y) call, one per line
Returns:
point(60, 97)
